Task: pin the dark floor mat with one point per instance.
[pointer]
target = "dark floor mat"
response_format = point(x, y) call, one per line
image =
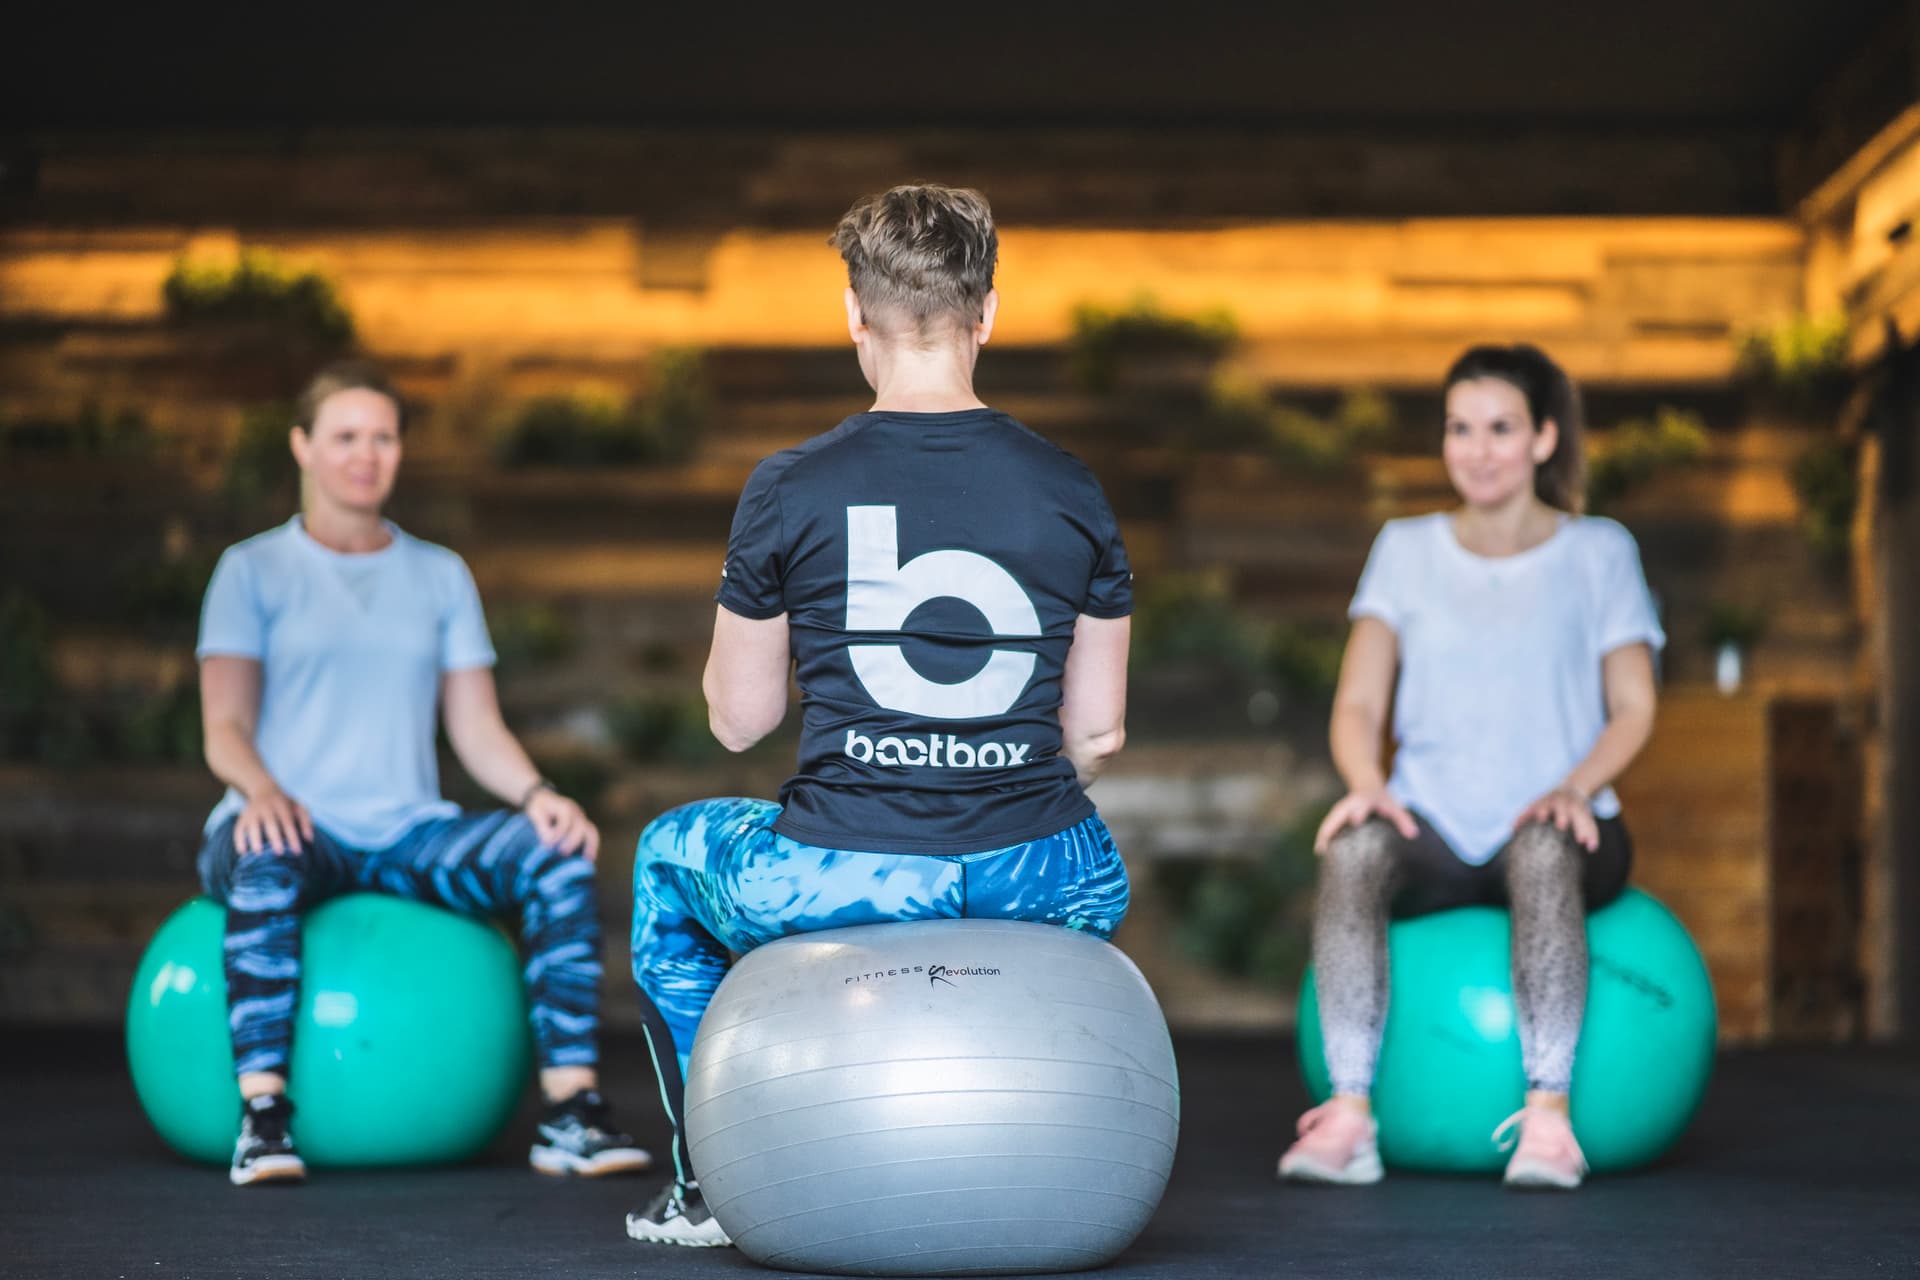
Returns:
point(1802, 1164)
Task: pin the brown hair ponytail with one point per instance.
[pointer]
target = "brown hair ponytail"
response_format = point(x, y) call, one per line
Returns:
point(1560, 481)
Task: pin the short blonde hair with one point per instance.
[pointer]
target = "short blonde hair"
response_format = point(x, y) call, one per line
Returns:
point(346, 375)
point(923, 251)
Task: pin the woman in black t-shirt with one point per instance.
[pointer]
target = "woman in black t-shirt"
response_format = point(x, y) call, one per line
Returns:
point(952, 594)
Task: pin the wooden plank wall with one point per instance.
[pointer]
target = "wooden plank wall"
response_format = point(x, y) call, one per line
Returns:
point(526, 307)
point(476, 314)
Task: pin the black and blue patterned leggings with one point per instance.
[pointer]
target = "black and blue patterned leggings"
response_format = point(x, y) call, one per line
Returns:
point(481, 864)
point(714, 878)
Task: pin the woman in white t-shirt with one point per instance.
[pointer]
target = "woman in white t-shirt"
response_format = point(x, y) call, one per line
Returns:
point(1513, 638)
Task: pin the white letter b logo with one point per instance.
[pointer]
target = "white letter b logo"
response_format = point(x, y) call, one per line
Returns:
point(881, 592)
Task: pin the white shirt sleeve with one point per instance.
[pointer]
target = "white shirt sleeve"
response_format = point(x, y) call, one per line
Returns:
point(464, 643)
point(1380, 594)
point(232, 622)
point(1627, 612)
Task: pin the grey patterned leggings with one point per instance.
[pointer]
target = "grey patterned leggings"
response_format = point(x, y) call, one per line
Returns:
point(1371, 872)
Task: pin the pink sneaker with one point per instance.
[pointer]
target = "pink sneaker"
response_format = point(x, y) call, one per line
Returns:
point(1547, 1155)
point(1337, 1145)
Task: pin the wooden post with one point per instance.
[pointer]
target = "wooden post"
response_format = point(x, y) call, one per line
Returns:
point(1894, 418)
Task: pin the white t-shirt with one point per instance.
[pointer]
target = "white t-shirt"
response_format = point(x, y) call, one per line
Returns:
point(352, 648)
point(1499, 694)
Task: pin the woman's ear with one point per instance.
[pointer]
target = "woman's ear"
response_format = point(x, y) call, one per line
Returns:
point(1545, 441)
point(856, 320)
point(989, 308)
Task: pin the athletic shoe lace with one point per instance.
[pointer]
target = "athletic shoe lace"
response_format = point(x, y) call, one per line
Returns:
point(1507, 1136)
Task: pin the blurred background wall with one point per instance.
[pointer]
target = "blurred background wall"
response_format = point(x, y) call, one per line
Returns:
point(1236, 258)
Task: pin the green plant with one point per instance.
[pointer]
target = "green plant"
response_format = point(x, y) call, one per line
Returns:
point(257, 291)
point(678, 401)
point(1306, 660)
point(167, 591)
point(40, 720)
point(1239, 414)
point(1637, 450)
point(1248, 919)
point(1826, 479)
point(1739, 625)
point(26, 673)
point(93, 433)
point(1190, 618)
point(1803, 362)
point(260, 467)
point(596, 428)
point(531, 633)
point(1102, 339)
point(653, 729)
point(1362, 417)
point(1199, 664)
point(164, 727)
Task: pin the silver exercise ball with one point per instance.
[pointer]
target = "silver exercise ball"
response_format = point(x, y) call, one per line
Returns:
point(935, 1098)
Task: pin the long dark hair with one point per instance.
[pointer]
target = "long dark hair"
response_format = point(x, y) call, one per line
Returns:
point(1560, 481)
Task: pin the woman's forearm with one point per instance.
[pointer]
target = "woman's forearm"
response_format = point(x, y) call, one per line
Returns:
point(1626, 733)
point(234, 759)
point(1354, 738)
point(496, 760)
point(1091, 753)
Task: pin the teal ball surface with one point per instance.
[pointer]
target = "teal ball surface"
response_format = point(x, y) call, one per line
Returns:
point(1449, 1069)
point(410, 1039)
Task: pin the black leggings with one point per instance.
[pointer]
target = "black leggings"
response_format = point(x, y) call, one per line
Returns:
point(1549, 882)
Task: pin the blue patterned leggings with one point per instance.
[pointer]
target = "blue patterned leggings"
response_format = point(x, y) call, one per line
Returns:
point(714, 877)
point(483, 864)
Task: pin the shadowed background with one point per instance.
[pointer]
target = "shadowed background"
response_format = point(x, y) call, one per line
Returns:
point(1238, 250)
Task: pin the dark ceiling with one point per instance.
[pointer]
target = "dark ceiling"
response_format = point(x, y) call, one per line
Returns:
point(1433, 65)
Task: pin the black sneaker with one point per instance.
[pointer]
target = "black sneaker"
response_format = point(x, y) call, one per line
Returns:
point(678, 1215)
point(578, 1136)
point(264, 1151)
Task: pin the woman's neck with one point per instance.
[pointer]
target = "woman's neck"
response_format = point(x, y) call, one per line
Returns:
point(936, 379)
point(1520, 524)
point(347, 531)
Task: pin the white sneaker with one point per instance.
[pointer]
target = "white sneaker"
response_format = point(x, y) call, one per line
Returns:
point(1337, 1145)
point(678, 1215)
point(1546, 1155)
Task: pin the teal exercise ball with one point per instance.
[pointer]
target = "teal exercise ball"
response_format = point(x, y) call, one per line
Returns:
point(410, 1038)
point(1449, 1069)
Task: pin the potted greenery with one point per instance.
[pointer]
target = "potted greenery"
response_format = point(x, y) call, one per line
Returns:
point(1731, 632)
point(1142, 346)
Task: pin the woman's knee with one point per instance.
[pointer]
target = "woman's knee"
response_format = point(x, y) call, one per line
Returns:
point(265, 882)
point(1542, 854)
point(545, 874)
point(699, 831)
point(1367, 853)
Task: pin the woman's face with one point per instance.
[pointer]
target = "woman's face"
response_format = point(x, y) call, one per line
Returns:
point(352, 454)
point(1491, 446)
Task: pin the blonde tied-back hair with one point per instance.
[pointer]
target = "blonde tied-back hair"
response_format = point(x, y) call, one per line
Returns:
point(920, 253)
point(345, 375)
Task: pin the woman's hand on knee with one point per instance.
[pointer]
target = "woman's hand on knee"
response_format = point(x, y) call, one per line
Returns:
point(272, 820)
point(1355, 808)
point(563, 825)
point(1567, 808)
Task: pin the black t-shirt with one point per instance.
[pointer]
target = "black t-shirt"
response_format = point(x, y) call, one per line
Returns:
point(931, 567)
